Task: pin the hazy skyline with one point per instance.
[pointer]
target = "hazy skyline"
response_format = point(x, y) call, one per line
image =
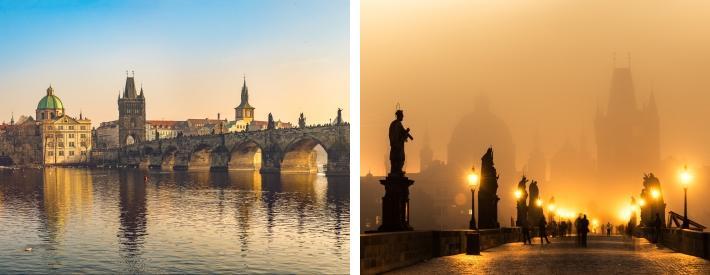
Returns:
point(188, 55)
point(546, 68)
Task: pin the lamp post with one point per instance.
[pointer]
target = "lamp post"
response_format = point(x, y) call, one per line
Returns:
point(473, 183)
point(685, 178)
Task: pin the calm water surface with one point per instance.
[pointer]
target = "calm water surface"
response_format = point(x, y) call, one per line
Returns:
point(108, 221)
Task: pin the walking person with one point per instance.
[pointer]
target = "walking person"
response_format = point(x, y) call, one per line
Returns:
point(526, 232)
point(577, 227)
point(542, 224)
point(584, 226)
point(657, 224)
point(608, 229)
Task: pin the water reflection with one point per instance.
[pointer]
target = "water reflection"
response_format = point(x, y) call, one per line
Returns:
point(132, 206)
point(108, 221)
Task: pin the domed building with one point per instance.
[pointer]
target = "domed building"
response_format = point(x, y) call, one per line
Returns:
point(50, 106)
point(65, 139)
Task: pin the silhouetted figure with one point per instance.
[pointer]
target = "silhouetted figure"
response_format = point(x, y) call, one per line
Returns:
point(526, 232)
point(563, 228)
point(608, 229)
point(578, 228)
point(542, 226)
point(398, 136)
point(657, 224)
point(487, 194)
point(553, 228)
point(584, 226)
point(395, 203)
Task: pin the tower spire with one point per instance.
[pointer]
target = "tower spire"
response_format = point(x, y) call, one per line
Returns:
point(12, 119)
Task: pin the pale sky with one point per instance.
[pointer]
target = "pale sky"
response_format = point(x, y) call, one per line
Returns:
point(544, 65)
point(188, 55)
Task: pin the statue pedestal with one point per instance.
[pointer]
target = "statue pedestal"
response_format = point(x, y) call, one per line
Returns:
point(395, 204)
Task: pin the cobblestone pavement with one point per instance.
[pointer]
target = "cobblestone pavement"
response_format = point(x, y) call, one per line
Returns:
point(604, 255)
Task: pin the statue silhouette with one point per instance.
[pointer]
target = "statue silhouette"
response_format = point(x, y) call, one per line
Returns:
point(398, 136)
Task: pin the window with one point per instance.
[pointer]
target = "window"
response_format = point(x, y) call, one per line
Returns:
point(61, 127)
point(71, 144)
point(71, 153)
point(71, 135)
point(49, 127)
point(83, 127)
point(61, 153)
point(50, 135)
point(71, 127)
point(50, 153)
point(83, 135)
point(83, 153)
point(60, 144)
point(50, 144)
point(83, 144)
point(60, 135)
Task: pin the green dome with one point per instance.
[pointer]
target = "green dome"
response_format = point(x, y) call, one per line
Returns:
point(50, 101)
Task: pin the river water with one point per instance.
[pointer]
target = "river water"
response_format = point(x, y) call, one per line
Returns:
point(117, 221)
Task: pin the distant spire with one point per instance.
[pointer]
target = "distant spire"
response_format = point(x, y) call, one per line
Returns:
point(50, 90)
point(81, 114)
point(12, 119)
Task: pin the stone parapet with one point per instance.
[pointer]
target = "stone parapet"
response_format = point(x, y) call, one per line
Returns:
point(382, 252)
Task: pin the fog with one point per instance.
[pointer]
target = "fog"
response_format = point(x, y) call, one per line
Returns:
point(544, 71)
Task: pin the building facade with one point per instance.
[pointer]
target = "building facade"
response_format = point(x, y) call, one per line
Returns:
point(163, 129)
point(107, 135)
point(131, 114)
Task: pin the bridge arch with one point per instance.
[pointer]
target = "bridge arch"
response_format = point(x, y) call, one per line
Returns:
point(169, 157)
point(246, 156)
point(304, 155)
point(200, 157)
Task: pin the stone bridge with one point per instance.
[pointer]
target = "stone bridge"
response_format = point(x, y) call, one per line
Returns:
point(269, 151)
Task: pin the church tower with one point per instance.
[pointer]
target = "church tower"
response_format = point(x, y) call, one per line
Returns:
point(627, 136)
point(244, 111)
point(131, 114)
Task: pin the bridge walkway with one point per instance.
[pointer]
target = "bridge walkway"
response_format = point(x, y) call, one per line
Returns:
point(604, 255)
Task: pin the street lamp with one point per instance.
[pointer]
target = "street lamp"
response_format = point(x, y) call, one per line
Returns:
point(685, 179)
point(538, 203)
point(473, 183)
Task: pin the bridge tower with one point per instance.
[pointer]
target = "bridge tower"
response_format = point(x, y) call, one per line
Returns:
point(131, 114)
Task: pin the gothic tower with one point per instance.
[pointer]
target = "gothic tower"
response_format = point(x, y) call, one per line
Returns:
point(131, 114)
point(627, 136)
point(244, 111)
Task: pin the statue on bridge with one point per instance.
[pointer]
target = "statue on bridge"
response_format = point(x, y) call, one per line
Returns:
point(653, 199)
point(395, 203)
point(270, 124)
point(488, 193)
point(301, 121)
point(534, 211)
point(521, 201)
point(398, 136)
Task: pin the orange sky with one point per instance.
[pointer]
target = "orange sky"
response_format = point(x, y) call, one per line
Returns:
point(545, 66)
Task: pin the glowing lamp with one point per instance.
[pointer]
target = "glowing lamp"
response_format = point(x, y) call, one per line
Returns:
point(655, 193)
point(686, 177)
point(642, 202)
point(518, 194)
point(473, 180)
point(538, 202)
